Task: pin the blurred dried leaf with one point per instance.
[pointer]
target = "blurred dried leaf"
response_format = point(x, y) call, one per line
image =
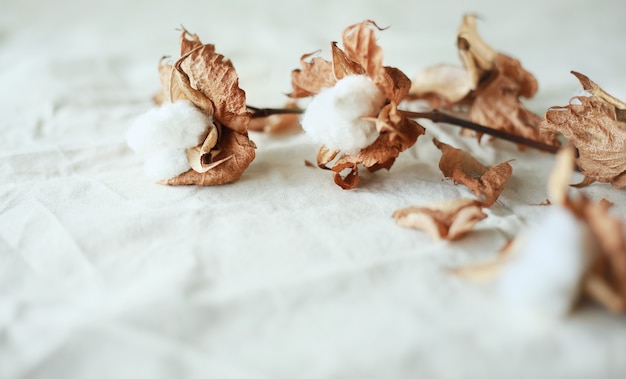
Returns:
point(488, 88)
point(449, 220)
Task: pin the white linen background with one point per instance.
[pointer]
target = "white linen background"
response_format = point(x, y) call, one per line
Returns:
point(104, 274)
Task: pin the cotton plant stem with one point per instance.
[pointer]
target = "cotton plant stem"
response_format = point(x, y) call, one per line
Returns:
point(266, 112)
point(435, 116)
point(439, 117)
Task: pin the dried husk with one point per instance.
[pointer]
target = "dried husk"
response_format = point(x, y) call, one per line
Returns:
point(449, 220)
point(487, 89)
point(211, 83)
point(361, 56)
point(596, 125)
point(461, 167)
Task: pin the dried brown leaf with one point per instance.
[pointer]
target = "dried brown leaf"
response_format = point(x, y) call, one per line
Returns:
point(325, 156)
point(216, 78)
point(461, 167)
point(344, 66)
point(449, 220)
point(477, 56)
point(497, 104)
point(312, 77)
point(359, 42)
point(596, 128)
point(488, 88)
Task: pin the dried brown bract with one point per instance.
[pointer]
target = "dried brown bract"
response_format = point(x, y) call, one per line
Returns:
point(461, 167)
point(360, 56)
point(596, 125)
point(487, 89)
point(210, 82)
point(449, 220)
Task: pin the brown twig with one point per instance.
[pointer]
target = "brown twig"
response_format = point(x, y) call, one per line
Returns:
point(439, 117)
point(436, 116)
point(266, 112)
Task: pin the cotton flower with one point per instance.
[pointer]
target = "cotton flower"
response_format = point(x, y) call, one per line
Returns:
point(161, 136)
point(334, 117)
point(546, 271)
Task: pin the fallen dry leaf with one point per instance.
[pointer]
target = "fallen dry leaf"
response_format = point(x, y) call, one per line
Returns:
point(449, 220)
point(210, 82)
point(596, 125)
point(487, 89)
point(461, 167)
point(361, 56)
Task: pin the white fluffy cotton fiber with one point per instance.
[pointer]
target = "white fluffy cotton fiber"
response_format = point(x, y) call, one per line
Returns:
point(334, 116)
point(162, 134)
point(545, 273)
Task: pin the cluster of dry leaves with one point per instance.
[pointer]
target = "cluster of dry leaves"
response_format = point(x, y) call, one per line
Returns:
point(486, 90)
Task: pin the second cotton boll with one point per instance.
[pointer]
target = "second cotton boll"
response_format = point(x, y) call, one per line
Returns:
point(161, 136)
point(334, 117)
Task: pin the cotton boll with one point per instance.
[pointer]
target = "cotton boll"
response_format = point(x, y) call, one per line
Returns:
point(165, 164)
point(333, 118)
point(545, 274)
point(177, 125)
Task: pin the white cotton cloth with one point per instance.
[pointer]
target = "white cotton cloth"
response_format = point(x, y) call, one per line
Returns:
point(335, 116)
point(282, 274)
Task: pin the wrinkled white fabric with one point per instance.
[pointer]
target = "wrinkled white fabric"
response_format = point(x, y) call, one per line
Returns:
point(104, 274)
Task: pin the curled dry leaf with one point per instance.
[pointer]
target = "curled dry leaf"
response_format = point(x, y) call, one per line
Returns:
point(449, 220)
point(596, 125)
point(361, 56)
point(210, 82)
point(487, 89)
point(461, 167)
